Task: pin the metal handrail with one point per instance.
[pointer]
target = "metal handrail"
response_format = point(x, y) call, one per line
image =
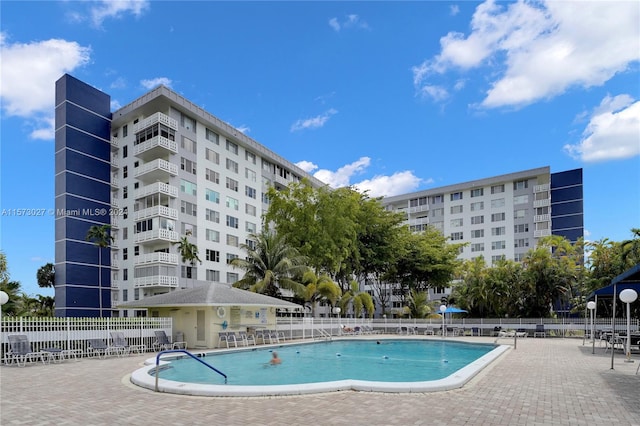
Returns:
point(157, 371)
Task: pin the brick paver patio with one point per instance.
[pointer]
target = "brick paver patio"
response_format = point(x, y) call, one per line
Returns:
point(544, 382)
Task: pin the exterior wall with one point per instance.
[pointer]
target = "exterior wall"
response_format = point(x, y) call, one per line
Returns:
point(82, 189)
point(567, 204)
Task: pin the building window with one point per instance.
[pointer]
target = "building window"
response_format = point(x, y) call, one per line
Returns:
point(497, 203)
point(188, 165)
point(435, 199)
point(456, 223)
point(230, 257)
point(125, 192)
point(232, 165)
point(125, 295)
point(125, 274)
point(520, 228)
point(213, 275)
point(189, 272)
point(136, 250)
point(188, 122)
point(250, 157)
point(188, 208)
point(477, 247)
point(478, 205)
point(212, 176)
point(521, 199)
point(498, 245)
point(232, 222)
point(212, 216)
point(188, 187)
point(125, 253)
point(456, 236)
point(212, 255)
point(212, 235)
point(212, 156)
point(478, 192)
point(521, 242)
point(477, 233)
point(250, 210)
point(477, 220)
point(250, 227)
point(125, 172)
point(232, 240)
point(125, 131)
point(232, 277)
point(189, 145)
point(232, 203)
point(250, 192)
point(455, 196)
point(212, 136)
point(517, 214)
point(437, 212)
point(212, 196)
point(189, 229)
point(456, 209)
point(497, 189)
point(520, 184)
point(250, 175)
point(500, 230)
point(497, 217)
point(497, 258)
point(232, 147)
point(232, 184)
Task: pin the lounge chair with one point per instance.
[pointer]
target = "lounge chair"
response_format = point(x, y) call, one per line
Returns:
point(475, 331)
point(521, 332)
point(227, 337)
point(99, 348)
point(246, 338)
point(163, 342)
point(540, 332)
point(20, 351)
point(122, 347)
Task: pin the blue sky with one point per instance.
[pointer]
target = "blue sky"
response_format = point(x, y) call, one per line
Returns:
point(391, 97)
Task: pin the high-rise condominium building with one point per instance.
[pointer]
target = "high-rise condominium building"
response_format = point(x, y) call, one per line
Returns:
point(161, 169)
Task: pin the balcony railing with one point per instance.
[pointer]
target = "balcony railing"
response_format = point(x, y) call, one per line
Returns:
point(157, 188)
point(156, 211)
point(419, 209)
point(541, 233)
point(155, 142)
point(157, 169)
point(156, 281)
point(541, 203)
point(158, 117)
point(542, 218)
point(156, 235)
point(541, 188)
point(168, 258)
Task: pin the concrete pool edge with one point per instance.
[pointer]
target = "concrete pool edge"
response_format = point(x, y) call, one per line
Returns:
point(458, 379)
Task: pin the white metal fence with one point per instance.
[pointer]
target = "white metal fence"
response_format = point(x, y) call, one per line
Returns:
point(73, 333)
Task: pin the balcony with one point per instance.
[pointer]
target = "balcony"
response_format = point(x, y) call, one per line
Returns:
point(156, 211)
point(114, 202)
point(115, 143)
point(541, 233)
point(115, 284)
point(115, 185)
point(542, 218)
point(115, 164)
point(419, 209)
point(156, 281)
point(420, 221)
point(156, 188)
point(159, 118)
point(541, 203)
point(156, 170)
point(155, 147)
point(166, 258)
point(157, 235)
point(541, 188)
point(115, 223)
point(115, 264)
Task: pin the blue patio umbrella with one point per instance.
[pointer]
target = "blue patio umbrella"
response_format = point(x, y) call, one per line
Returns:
point(454, 310)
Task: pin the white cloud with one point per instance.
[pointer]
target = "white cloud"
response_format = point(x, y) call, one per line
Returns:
point(613, 131)
point(155, 82)
point(454, 10)
point(540, 49)
point(386, 186)
point(307, 166)
point(342, 176)
point(116, 8)
point(437, 93)
point(118, 83)
point(350, 21)
point(244, 128)
point(313, 122)
point(28, 74)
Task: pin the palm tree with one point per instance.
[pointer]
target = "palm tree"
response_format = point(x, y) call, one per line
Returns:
point(188, 251)
point(361, 301)
point(101, 237)
point(417, 304)
point(46, 276)
point(320, 288)
point(271, 265)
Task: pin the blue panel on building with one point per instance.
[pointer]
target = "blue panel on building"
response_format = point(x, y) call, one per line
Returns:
point(570, 234)
point(567, 178)
point(563, 222)
point(71, 89)
point(88, 166)
point(85, 120)
point(566, 194)
point(571, 207)
point(83, 142)
point(86, 187)
point(86, 209)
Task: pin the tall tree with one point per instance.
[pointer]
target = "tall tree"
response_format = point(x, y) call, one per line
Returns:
point(101, 237)
point(417, 304)
point(271, 265)
point(188, 251)
point(319, 288)
point(46, 276)
point(360, 302)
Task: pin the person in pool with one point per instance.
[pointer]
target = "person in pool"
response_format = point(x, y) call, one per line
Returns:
point(274, 358)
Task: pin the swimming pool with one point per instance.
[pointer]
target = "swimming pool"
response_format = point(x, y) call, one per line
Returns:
point(383, 365)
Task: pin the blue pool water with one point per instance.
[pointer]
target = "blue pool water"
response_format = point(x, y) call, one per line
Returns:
point(368, 360)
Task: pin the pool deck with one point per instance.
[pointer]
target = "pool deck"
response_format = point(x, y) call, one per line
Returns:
point(550, 381)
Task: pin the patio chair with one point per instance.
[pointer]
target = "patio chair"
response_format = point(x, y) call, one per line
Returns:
point(20, 351)
point(521, 332)
point(475, 331)
point(99, 348)
point(540, 332)
point(163, 342)
point(227, 337)
point(119, 343)
point(246, 338)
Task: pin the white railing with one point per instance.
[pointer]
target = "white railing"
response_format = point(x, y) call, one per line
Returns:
point(158, 117)
point(156, 281)
point(542, 218)
point(155, 142)
point(419, 209)
point(73, 333)
point(159, 257)
point(158, 164)
point(114, 142)
point(541, 188)
point(156, 234)
point(156, 211)
point(541, 203)
point(541, 233)
point(157, 188)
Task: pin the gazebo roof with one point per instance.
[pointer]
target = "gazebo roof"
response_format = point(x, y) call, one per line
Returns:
point(628, 279)
point(215, 294)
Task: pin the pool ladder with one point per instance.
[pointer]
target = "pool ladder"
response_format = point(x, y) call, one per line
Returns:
point(158, 369)
point(324, 334)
